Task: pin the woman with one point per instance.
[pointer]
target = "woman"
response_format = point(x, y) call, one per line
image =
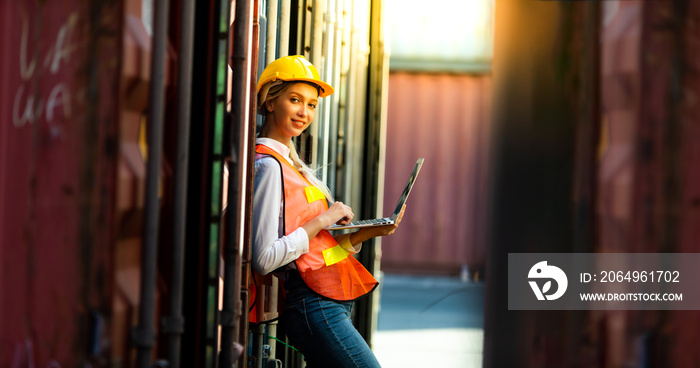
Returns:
point(290, 212)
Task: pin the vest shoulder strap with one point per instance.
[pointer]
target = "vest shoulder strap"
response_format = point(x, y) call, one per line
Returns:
point(284, 207)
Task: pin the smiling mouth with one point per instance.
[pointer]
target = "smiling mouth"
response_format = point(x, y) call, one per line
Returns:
point(298, 123)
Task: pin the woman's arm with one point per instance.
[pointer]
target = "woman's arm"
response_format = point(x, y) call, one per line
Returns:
point(337, 213)
point(271, 248)
point(355, 239)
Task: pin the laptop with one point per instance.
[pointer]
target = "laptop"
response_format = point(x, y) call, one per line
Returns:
point(386, 220)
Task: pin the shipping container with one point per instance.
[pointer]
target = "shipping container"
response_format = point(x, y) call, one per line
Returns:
point(445, 119)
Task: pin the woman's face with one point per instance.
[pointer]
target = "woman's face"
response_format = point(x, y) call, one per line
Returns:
point(292, 112)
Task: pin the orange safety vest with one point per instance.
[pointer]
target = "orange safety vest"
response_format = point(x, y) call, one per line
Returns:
point(327, 268)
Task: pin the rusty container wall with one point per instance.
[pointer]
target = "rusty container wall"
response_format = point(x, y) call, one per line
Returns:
point(620, 104)
point(58, 94)
point(130, 181)
point(444, 118)
point(687, 161)
point(620, 84)
point(648, 169)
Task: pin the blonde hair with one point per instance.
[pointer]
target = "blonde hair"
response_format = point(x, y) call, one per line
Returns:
point(270, 92)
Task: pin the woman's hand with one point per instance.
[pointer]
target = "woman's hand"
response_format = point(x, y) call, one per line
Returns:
point(337, 213)
point(367, 233)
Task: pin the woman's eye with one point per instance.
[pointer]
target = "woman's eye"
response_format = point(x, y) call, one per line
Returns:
point(313, 106)
point(294, 99)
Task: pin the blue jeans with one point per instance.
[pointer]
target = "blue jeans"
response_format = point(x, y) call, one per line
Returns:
point(322, 330)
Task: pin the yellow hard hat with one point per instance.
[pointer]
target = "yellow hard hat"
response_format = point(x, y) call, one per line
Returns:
point(294, 68)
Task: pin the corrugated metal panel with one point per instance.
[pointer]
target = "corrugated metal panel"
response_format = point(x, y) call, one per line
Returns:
point(649, 184)
point(443, 118)
point(57, 165)
point(690, 211)
point(620, 83)
point(684, 332)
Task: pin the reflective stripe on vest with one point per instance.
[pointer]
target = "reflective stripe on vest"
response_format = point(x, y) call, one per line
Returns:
point(324, 269)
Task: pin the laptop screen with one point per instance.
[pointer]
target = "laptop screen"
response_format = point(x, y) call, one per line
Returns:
point(407, 188)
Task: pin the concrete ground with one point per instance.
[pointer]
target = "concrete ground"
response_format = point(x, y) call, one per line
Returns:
point(429, 322)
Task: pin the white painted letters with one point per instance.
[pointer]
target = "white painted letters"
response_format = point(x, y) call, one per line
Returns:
point(29, 103)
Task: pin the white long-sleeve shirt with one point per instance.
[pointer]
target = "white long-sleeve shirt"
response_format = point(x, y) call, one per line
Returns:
point(271, 247)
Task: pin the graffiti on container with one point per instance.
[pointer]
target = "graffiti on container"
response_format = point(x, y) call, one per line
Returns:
point(24, 356)
point(28, 107)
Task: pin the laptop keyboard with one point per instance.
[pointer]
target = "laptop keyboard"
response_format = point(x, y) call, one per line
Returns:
point(380, 221)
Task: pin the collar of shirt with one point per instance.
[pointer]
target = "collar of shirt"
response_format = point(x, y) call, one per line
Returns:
point(276, 146)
